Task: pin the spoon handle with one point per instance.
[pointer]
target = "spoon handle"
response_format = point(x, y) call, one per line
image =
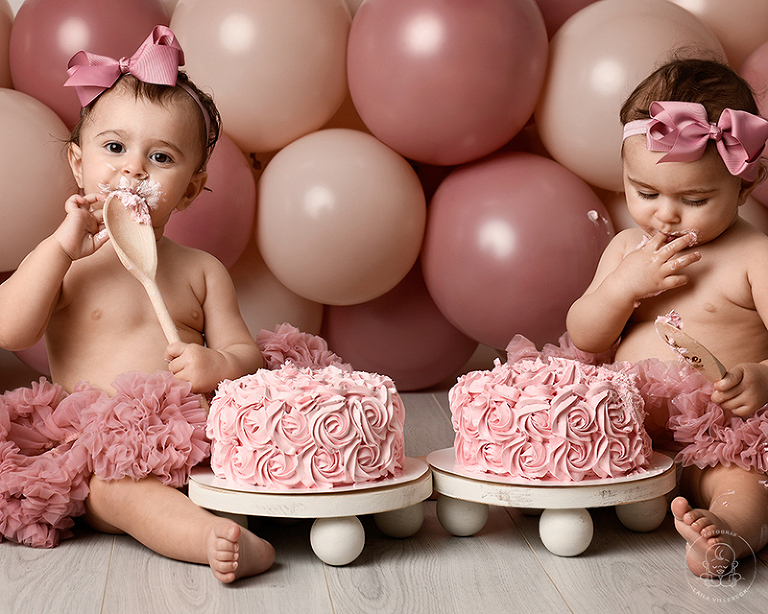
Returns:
point(169, 328)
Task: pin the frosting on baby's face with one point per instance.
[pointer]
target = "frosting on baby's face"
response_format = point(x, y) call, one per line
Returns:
point(138, 199)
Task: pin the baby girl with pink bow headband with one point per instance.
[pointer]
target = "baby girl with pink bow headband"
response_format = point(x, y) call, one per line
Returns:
point(691, 154)
point(113, 436)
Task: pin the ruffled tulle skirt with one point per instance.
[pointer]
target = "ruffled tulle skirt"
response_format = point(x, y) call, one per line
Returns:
point(51, 443)
point(680, 415)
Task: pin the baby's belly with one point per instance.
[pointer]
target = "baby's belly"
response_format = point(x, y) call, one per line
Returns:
point(641, 342)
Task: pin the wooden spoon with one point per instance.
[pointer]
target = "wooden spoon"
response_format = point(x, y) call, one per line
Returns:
point(690, 350)
point(136, 247)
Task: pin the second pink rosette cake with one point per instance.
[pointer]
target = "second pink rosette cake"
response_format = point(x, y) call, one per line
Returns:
point(551, 419)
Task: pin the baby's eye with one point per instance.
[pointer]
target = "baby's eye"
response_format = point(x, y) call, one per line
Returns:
point(114, 147)
point(694, 203)
point(161, 158)
point(647, 195)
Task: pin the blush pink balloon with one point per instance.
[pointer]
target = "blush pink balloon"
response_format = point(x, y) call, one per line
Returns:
point(741, 26)
point(511, 242)
point(34, 173)
point(340, 218)
point(755, 71)
point(557, 12)
point(446, 82)
point(401, 334)
point(6, 20)
point(265, 302)
point(14, 373)
point(220, 221)
point(597, 58)
point(278, 69)
point(47, 33)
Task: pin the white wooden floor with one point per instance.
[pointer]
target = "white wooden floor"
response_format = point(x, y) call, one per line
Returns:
point(504, 568)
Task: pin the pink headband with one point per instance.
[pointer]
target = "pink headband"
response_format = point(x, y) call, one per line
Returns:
point(156, 61)
point(683, 129)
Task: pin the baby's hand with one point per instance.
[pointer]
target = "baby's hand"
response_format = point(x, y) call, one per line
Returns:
point(743, 390)
point(655, 267)
point(82, 232)
point(195, 364)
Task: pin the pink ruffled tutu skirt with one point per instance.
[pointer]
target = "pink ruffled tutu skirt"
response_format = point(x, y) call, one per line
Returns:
point(51, 444)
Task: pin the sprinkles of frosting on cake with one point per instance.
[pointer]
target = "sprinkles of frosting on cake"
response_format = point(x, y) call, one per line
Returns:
point(137, 199)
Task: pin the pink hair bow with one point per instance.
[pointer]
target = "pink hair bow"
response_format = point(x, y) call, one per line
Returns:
point(157, 60)
point(683, 129)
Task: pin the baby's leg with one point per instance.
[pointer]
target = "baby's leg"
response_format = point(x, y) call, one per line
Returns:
point(731, 521)
point(165, 520)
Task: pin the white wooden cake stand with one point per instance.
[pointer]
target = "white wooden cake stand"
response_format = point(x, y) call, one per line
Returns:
point(565, 526)
point(337, 536)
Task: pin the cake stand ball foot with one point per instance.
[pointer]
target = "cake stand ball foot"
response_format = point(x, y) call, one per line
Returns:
point(459, 517)
point(643, 516)
point(337, 541)
point(566, 532)
point(400, 523)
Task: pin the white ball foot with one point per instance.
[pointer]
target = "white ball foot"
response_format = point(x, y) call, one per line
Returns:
point(566, 532)
point(459, 517)
point(337, 541)
point(643, 516)
point(401, 523)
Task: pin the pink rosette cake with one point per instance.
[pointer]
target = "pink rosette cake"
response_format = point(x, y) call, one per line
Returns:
point(308, 428)
point(549, 418)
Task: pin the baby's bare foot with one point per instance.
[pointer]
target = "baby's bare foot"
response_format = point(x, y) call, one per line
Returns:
point(712, 546)
point(234, 552)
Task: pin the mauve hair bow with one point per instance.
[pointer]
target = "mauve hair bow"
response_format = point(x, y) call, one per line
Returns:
point(157, 61)
point(683, 129)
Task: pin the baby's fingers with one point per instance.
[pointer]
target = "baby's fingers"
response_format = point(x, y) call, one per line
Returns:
point(676, 264)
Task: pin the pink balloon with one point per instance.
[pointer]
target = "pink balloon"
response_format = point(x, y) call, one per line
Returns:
point(265, 302)
point(446, 82)
point(278, 69)
point(741, 26)
point(511, 242)
point(340, 218)
point(755, 71)
point(220, 221)
point(401, 334)
point(35, 357)
point(47, 33)
point(34, 173)
point(557, 12)
point(6, 20)
point(14, 373)
point(596, 59)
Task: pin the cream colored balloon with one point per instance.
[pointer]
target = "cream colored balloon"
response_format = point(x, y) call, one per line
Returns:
point(265, 302)
point(341, 217)
point(34, 173)
point(596, 59)
point(277, 69)
point(741, 26)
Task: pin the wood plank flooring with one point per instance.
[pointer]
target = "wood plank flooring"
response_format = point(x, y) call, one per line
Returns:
point(503, 569)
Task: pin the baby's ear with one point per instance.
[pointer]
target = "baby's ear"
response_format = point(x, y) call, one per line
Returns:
point(196, 185)
point(75, 158)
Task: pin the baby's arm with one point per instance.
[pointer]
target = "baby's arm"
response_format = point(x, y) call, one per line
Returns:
point(624, 276)
point(29, 296)
point(230, 351)
point(744, 389)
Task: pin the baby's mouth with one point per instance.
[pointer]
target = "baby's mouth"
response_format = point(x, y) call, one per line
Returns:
point(671, 236)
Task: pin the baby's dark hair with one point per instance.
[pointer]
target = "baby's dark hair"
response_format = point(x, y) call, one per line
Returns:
point(708, 82)
point(161, 94)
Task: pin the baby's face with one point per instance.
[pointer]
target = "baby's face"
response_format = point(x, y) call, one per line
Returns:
point(675, 198)
point(129, 141)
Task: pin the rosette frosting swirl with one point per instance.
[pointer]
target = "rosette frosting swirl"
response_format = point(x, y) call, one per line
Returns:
point(549, 418)
point(305, 427)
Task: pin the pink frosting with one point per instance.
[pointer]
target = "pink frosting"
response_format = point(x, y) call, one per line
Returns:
point(302, 427)
point(287, 342)
point(549, 418)
point(673, 318)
